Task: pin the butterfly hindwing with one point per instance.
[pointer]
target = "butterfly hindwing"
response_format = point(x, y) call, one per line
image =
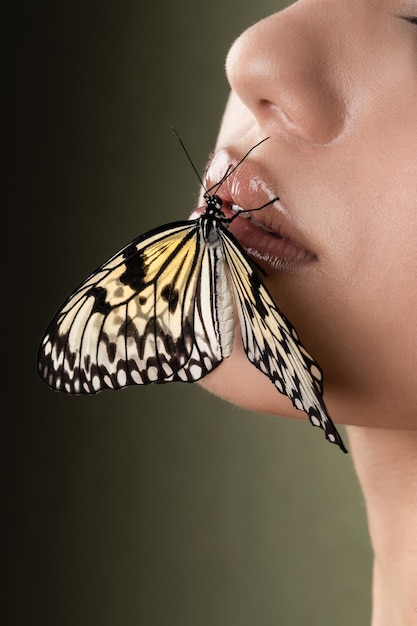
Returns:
point(149, 314)
point(271, 342)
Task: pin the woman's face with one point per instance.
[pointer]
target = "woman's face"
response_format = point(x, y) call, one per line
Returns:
point(333, 84)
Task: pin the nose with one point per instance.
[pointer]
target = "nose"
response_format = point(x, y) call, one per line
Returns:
point(285, 70)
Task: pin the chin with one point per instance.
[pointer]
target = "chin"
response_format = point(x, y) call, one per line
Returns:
point(239, 382)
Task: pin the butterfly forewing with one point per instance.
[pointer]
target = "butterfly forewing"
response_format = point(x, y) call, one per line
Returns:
point(150, 314)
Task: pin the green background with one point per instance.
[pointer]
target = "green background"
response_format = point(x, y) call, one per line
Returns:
point(159, 505)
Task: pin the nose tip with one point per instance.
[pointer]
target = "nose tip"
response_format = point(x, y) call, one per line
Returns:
point(281, 69)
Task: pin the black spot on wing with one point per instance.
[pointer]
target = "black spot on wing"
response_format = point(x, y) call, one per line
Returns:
point(256, 285)
point(100, 303)
point(135, 271)
point(170, 295)
point(110, 347)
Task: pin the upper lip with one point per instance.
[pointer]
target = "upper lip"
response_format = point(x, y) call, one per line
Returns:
point(248, 187)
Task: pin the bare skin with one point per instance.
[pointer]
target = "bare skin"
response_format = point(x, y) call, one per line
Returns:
point(334, 86)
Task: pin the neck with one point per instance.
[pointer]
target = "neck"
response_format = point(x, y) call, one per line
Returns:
point(386, 465)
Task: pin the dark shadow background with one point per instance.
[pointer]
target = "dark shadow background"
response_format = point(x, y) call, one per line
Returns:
point(160, 506)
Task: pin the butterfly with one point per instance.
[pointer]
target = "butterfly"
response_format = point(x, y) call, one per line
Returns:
point(162, 309)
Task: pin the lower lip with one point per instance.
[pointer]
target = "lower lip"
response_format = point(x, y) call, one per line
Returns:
point(278, 252)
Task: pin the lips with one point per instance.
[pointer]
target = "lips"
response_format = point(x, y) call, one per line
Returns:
point(271, 235)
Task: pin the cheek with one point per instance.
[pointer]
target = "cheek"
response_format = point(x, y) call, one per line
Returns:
point(361, 329)
point(358, 322)
point(363, 340)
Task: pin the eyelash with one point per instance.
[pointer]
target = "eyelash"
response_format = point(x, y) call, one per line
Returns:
point(412, 20)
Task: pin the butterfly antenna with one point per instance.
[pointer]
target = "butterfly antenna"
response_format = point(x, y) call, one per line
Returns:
point(231, 169)
point(174, 132)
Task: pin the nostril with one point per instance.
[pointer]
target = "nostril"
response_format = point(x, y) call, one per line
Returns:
point(272, 109)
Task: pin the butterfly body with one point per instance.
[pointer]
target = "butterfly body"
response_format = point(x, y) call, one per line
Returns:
point(163, 309)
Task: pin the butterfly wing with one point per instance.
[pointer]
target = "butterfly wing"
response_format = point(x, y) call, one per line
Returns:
point(149, 314)
point(160, 310)
point(272, 344)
